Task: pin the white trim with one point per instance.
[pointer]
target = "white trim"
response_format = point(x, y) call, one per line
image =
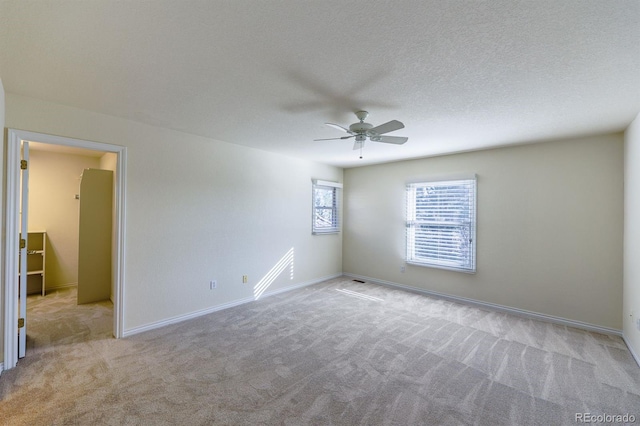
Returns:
point(439, 266)
point(11, 225)
point(196, 314)
point(327, 183)
point(443, 178)
point(120, 224)
point(62, 286)
point(495, 307)
point(11, 230)
point(633, 354)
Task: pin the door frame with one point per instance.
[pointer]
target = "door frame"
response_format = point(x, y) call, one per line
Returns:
point(11, 227)
point(22, 265)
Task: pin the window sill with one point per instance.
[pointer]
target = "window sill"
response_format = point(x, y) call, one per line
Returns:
point(445, 267)
point(325, 232)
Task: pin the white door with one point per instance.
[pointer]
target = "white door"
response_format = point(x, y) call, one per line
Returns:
point(24, 214)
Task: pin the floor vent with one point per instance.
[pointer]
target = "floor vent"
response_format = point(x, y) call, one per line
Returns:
point(358, 281)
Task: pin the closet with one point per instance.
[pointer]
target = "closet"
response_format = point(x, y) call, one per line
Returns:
point(71, 198)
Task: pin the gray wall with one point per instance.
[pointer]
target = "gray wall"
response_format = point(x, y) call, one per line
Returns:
point(549, 234)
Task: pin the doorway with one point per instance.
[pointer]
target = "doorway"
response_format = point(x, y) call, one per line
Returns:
point(12, 214)
point(62, 196)
point(57, 175)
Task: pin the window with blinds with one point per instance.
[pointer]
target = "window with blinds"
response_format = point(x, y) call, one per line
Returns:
point(325, 207)
point(441, 224)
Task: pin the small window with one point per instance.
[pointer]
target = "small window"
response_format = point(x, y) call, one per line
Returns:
point(441, 224)
point(325, 207)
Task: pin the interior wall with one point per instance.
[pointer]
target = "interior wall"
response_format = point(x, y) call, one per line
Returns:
point(54, 181)
point(199, 210)
point(549, 227)
point(109, 161)
point(631, 310)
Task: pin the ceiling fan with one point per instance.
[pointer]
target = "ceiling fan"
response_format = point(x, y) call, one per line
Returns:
point(361, 131)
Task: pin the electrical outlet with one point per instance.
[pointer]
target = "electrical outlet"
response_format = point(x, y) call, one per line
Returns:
point(213, 284)
point(402, 269)
point(245, 279)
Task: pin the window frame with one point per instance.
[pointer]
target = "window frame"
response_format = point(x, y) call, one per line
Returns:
point(335, 207)
point(469, 224)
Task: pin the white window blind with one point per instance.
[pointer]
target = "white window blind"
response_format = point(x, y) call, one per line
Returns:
point(441, 224)
point(325, 207)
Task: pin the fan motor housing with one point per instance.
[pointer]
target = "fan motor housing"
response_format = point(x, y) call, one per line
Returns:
point(360, 127)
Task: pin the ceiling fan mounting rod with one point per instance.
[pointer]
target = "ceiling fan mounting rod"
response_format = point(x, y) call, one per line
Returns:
point(362, 115)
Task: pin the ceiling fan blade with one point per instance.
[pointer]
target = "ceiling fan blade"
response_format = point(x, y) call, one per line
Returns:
point(336, 139)
point(338, 127)
point(358, 145)
point(386, 127)
point(398, 140)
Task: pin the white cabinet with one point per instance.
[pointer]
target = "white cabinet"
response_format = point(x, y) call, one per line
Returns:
point(94, 236)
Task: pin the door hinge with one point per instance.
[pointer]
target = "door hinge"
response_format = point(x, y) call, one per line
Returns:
point(20, 322)
point(23, 243)
point(23, 164)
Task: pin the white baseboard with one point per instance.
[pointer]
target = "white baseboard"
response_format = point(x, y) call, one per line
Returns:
point(196, 314)
point(633, 354)
point(458, 299)
point(61, 286)
point(495, 307)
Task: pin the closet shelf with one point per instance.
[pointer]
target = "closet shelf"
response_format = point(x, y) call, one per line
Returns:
point(36, 260)
point(40, 272)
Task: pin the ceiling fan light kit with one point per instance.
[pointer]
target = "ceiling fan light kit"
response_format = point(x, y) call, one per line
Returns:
point(361, 131)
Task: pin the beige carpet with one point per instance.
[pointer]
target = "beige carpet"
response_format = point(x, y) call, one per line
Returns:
point(335, 353)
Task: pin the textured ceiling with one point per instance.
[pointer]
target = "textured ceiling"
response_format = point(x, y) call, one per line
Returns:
point(461, 75)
